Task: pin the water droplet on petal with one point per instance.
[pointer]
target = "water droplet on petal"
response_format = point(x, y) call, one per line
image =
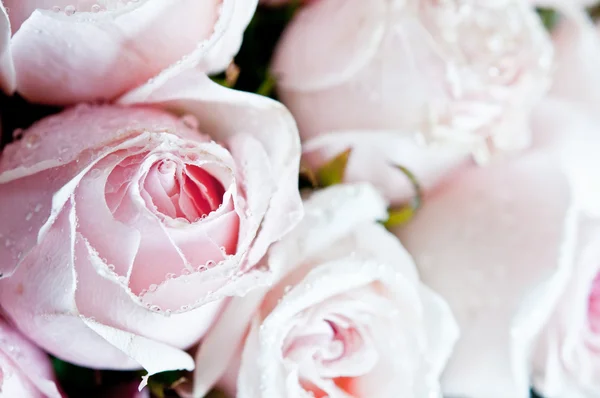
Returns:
point(96, 8)
point(152, 288)
point(17, 133)
point(70, 9)
point(56, 9)
point(28, 216)
point(32, 141)
point(190, 121)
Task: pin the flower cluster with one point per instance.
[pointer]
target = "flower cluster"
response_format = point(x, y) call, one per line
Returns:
point(418, 217)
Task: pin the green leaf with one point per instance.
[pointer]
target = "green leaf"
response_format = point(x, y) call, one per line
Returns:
point(267, 86)
point(332, 172)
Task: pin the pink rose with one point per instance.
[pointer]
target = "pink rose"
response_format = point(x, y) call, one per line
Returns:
point(567, 356)
point(25, 371)
point(124, 227)
point(348, 316)
point(499, 242)
point(460, 75)
point(100, 49)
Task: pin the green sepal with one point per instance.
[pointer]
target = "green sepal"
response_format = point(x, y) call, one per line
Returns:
point(332, 172)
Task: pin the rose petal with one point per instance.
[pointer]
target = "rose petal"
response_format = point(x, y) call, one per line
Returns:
point(129, 48)
point(27, 370)
point(576, 38)
point(51, 320)
point(8, 81)
point(495, 243)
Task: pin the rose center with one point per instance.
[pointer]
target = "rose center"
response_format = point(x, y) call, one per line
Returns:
point(183, 191)
point(329, 356)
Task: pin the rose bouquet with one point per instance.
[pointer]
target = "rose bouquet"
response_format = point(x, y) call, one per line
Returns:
point(319, 198)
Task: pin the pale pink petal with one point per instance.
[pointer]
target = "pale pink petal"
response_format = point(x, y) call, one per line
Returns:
point(577, 47)
point(222, 343)
point(329, 215)
point(102, 55)
point(26, 370)
point(106, 299)
point(29, 297)
point(495, 242)
point(322, 61)
point(569, 131)
point(7, 69)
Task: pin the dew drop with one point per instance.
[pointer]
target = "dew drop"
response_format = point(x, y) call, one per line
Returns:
point(167, 313)
point(190, 121)
point(70, 9)
point(210, 264)
point(96, 8)
point(155, 308)
point(56, 9)
point(111, 267)
point(152, 288)
point(38, 207)
point(287, 289)
point(185, 271)
point(95, 173)
point(32, 141)
point(170, 276)
point(17, 133)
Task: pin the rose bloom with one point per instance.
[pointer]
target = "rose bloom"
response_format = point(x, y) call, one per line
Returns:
point(100, 49)
point(25, 371)
point(386, 77)
point(124, 227)
point(567, 355)
point(348, 317)
point(500, 242)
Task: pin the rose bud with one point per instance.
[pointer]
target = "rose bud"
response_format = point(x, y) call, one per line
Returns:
point(459, 75)
point(348, 318)
point(124, 227)
point(67, 51)
point(499, 242)
point(25, 371)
